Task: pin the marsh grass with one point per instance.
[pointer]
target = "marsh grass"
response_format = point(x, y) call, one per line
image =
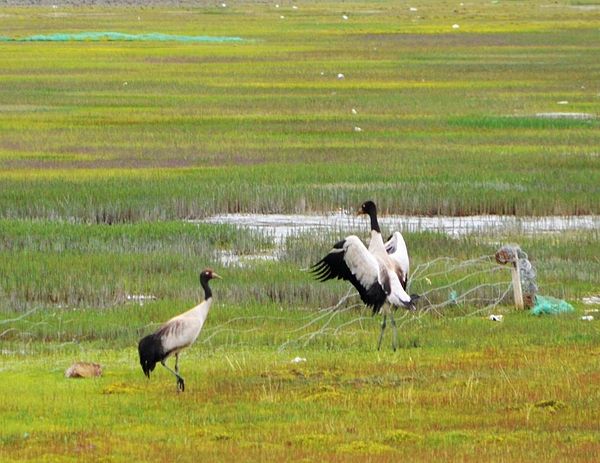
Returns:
point(118, 132)
point(71, 265)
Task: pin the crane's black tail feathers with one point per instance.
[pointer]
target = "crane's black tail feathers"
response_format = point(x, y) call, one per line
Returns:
point(151, 352)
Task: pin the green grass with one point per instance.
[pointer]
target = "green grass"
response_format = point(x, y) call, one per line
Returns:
point(107, 148)
point(460, 386)
point(470, 389)
point(129, 131)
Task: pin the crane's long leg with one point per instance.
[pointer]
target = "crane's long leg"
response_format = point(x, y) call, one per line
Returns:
point(383, 324)
point(394, 331)
point(180, 382)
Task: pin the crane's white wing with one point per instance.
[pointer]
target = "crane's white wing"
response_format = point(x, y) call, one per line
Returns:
point(350, 260)
point(360, 261)
point(396, 249)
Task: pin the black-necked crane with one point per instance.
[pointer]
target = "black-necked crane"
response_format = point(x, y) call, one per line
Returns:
point(176, 334)
point(379, 272)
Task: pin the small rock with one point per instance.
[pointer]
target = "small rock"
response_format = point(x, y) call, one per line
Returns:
point(83, 370)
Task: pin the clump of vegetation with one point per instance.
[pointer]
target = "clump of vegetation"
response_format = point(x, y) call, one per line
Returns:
point(400, 436)
point(362, 447)
point(551, 406)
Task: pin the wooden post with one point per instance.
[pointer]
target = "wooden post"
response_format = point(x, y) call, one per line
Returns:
point(516, 282)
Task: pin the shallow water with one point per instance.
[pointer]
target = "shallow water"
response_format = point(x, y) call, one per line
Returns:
point(565, 115)
point(280, 226)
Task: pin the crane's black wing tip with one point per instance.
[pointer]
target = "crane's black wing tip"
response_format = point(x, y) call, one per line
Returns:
point(321, 271)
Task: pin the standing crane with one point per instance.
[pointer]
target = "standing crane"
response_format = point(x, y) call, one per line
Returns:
point(176, 334)
point(379, 272)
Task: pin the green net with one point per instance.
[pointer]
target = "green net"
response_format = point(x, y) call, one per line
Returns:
point(550, 305)
point(119, 36)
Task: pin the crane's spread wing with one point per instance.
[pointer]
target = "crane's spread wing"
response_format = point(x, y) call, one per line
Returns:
point(396, 249)
point(350, 260)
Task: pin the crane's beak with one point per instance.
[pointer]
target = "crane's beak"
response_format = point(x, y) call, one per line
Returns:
point(216, 275)
point(360, 212)
point(412, 304)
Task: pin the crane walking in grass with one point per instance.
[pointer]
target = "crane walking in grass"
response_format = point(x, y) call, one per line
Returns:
point(176, 334)
point(379, 272)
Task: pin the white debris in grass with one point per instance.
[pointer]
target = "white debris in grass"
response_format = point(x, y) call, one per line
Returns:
point(562, 102)
point(341, 76)
point(587, 318)
point(232, 259)
point(344, 17)
point(298, 360)
point(140, 298)
point(496, 318)
point(591, 300)
point(358, 129)
point(354, 111)
point(455, 26)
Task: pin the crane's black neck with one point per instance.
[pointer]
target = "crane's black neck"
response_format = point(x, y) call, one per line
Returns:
point(374, 222)
point(207, 291)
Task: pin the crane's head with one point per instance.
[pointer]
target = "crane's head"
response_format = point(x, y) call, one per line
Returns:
point(368, 208)
point(208, 274)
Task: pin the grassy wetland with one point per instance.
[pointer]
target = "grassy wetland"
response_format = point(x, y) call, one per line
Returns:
point(109, 148)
